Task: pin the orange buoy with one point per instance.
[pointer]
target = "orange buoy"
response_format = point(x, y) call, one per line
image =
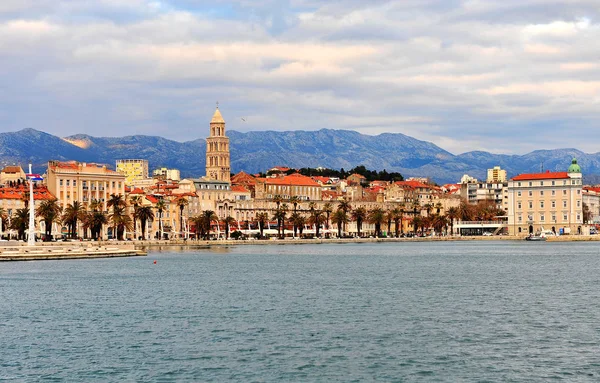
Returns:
point(155, 262)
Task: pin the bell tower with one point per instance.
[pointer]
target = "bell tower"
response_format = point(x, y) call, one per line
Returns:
point(217, 150)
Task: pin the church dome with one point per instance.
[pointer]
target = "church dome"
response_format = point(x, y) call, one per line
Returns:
point(574, 168)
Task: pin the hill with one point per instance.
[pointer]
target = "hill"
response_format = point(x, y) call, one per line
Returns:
point(257, 151)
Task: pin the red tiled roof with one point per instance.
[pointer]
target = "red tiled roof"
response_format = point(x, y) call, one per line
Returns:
point(541, 176)
point(137, 191)
point(293, 179)
point(12, 169)
point(412, 184)
point(357, 175)
point(321, 179)
point(152, 198)
point(239, 189)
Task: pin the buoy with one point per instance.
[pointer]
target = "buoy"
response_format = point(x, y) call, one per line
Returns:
point(155, 262)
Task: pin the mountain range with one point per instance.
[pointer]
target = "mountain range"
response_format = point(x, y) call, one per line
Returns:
point(257, 151)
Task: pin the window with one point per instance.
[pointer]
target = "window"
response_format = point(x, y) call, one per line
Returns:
point(578, 216)
point(530, 205)
point(553, 192)
point(541, 204)
point(518, 205)
point(542, 193)
point(564, 191)
point(578, 191)
point(553, 183)
point(541, 183)
point(68, 182)
point(564, 203)
point(565, 218)
point(553, 217)
point(74, 182)
point(518, 193)
point(530, 193)
point(520, 219)
point(553, 204)
point(60, 182)
point(530, 183)
point(518, 184)
point(542, 217)
point(578, 203)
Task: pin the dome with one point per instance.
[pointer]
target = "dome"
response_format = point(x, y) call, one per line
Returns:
point(574, 168)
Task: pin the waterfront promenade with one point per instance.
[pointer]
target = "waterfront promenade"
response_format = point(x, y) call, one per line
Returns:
point(19, 251)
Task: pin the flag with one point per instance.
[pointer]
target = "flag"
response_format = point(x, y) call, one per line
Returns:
point(34, 177)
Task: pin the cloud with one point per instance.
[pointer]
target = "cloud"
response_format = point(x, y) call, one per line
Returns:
point(468, 75)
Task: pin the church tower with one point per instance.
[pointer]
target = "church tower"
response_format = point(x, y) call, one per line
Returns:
point(217, 150)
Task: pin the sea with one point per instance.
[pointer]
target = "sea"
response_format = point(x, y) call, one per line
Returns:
point(480, 311)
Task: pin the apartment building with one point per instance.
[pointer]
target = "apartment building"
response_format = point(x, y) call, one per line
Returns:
point(72, 181)
point(549, 201)
point(133, 170)
point(294, 185)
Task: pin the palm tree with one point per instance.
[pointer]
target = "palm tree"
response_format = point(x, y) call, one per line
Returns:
point(389, 217)
point(198, 222)
point(121, 221)
point(397, 218)
point(417, 221)
point(97, 219)
point(465, 212)
point(49, 210)
point(228, 221)
point(71, 215)
point(115, 201)
point(182, 202)
point(359, 215)
point(298, 220)
point(339, 218)
point(377, 217)
point(344, 205)
point(20, 222)
point(3, 219)
point(208, 216)
point(279, 216)
point(327, 209)
point(452, 214)
point(144, 214)
point(438, 207)
point(439, 222)
point(135, 201)
point(262, 219)
point(160, 207)
point(316, 217)
point(428, 206)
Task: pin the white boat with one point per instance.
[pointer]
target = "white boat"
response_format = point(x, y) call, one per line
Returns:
point(540, 236)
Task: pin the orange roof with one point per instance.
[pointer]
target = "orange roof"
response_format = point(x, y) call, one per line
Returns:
point(12, 169)
point(541, 176)
point(152, 198)
point(239, 189)
point(357, 175)
point(19, 192)
point(321, 179)
point(594, 189)
point(412, 184)
point(296, 179)
point(137, 191)
point(243, 178)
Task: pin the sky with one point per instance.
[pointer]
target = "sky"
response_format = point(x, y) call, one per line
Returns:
point(506, 76)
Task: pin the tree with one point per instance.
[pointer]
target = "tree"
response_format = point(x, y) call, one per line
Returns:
point(358, 215)
point(144, 214)
point(417, 222)
point(160, 207)
point(97, 219)
point(20, 222)
point(327, 209)
point(227, 222)
point(389, 217)
point(262, 219)
point(340, 218)
point(452, 214)
point(299, 221)
point(208, 216)
point(135, 201)
point(377, 217)
point(397, 214)
point(465, 211)
point(49, 210)
point(182, 202)
point(71, 215)
point(439, 222)
point(316, 217)
point(280, 215)
point(121, 221)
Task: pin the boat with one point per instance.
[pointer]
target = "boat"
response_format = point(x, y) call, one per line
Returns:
point(540, 236)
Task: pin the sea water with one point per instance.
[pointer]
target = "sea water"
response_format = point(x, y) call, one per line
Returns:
point(412, 311)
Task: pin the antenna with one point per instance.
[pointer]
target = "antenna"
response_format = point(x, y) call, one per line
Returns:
point(542, 167)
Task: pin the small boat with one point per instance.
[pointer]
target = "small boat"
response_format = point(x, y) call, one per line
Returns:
point(540, 235)
point(532, 237)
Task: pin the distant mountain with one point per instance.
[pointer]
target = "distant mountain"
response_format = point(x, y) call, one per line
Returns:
point(257, 151)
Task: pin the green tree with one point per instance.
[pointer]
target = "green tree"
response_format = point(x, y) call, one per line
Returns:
point(71, 215)
point(20, 222)
point(181, 202)
point(340, 218)
point(262, 219)
point(227, 221)
point(160, 207)
point(359, 215)
point(49, 210)
point(377, 217)
point(452, 214)
point(144, 214)
point(120, 220)
point(135, 201)
point(316, 217)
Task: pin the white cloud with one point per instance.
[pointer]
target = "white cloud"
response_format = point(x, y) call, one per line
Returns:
point(466, 74)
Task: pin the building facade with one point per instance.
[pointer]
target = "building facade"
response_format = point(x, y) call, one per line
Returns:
point(83, 182)
point(496, 175)
point(133, 170)
point(546, 201)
